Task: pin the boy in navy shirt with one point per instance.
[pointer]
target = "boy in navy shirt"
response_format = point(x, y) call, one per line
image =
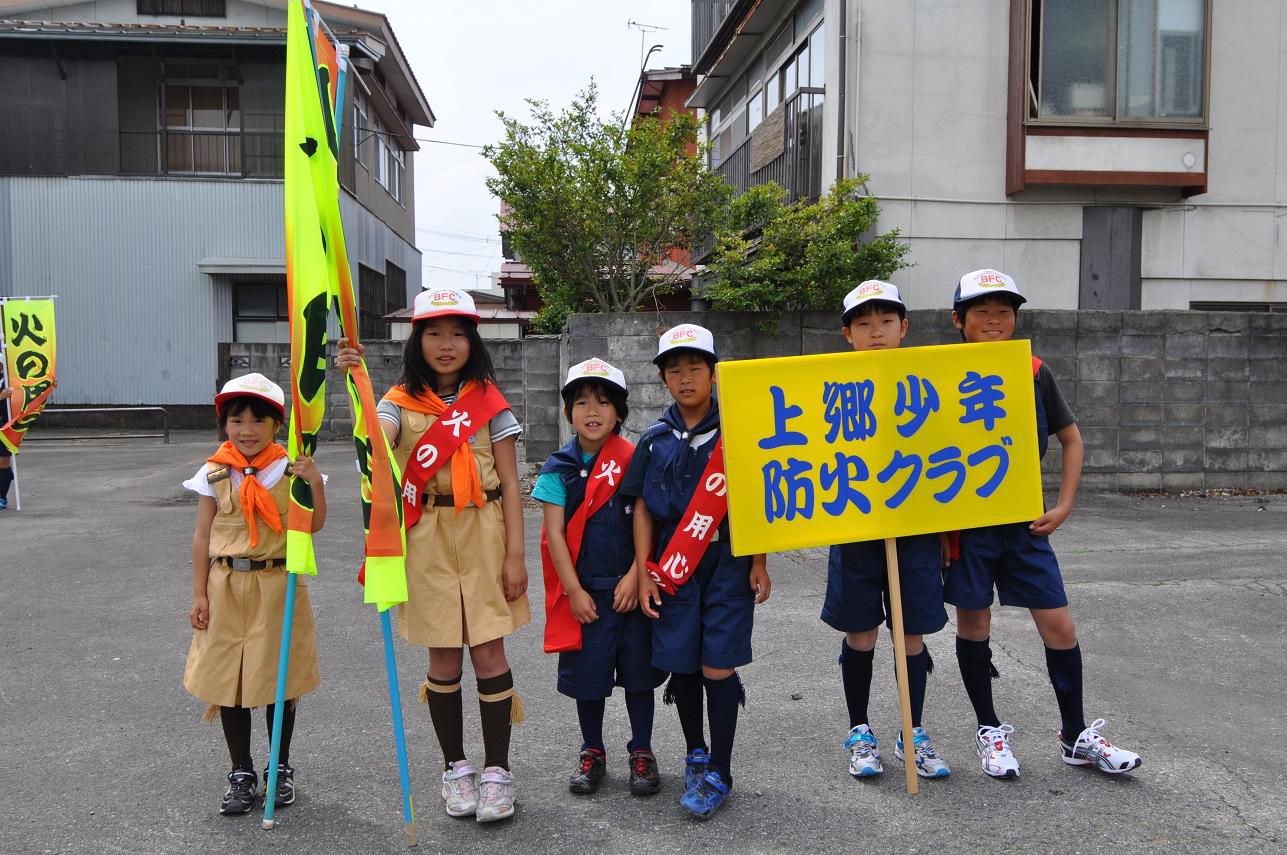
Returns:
point(875, 318)
point(702, 629)
point(1017, 560)
point(600, 581)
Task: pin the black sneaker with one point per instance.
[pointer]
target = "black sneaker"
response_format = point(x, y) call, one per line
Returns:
point(285, 785)
point(587, 778)
point(644, 780)
point(243, 792)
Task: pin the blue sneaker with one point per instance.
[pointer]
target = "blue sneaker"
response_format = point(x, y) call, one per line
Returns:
point(696, 765)
point(4, 503)
point(864, 758)
point(707, 797)
point(928, 763)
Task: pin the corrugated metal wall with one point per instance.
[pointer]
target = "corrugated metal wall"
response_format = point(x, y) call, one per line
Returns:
point(137, 321)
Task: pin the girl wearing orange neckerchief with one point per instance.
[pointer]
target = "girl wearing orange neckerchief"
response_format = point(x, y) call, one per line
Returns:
point(453, 436)
point(239, 583)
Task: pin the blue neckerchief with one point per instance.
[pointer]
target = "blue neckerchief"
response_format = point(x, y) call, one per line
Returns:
point(679, 458)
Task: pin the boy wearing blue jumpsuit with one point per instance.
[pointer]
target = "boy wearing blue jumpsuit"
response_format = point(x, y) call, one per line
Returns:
point(602, 590)
point(702, 632)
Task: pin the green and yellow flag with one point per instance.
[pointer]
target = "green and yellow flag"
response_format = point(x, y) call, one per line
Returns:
point(29, 357)
point(318, 143)
point(307, 151)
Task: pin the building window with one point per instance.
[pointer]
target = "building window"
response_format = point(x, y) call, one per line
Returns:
point(361, 127)
point(201, 119)
point(390, 165)
point(190, 8)
point(1129, 61)
point(260, 312)
point(378, 295)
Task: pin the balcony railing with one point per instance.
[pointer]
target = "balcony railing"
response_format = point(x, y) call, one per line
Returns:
point(249, 154)
point(707, 17)
point(798, 169)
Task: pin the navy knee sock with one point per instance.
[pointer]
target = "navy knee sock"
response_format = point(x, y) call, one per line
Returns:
point(975, 659)
point(590, 715)
point(685, 692)
point(855, 674)
point(722, 700)
point(917, 675)
point(288, 730)
point(6, 478)
point(640, 706)
point(1064, 667)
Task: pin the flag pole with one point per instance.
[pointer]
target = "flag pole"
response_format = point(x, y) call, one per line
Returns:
point(283, 665)
point(399, 734)
point(900, 663)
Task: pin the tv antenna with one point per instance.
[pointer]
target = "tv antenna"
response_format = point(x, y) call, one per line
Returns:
point(643, 29)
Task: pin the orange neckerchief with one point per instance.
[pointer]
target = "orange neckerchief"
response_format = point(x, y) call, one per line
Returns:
point(255, 498)
point(464, 468)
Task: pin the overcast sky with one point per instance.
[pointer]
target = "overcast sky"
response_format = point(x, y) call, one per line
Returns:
point(473, 57)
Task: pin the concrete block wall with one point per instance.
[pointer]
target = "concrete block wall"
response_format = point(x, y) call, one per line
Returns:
point(527, 371)
point(1164, 400)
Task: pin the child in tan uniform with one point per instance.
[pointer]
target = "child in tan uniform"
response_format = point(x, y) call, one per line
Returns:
point(239, 583)
point(453, 436)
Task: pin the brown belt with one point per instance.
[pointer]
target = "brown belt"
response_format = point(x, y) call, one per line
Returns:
point(249, 563)
point(447, 500)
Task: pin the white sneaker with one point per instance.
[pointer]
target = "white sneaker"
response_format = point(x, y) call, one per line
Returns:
point(928, 763)
point(1091, 748)
point(497, 795)
point(460, 788)
point(993, 744)
point(864, 758)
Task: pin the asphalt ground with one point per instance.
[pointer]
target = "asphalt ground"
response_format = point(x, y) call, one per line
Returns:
point(1181, 605)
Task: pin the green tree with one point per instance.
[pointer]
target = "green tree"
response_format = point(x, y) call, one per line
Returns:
point(594, 206)
point(778, 257)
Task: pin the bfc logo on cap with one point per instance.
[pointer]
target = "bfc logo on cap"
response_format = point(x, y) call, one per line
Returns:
point(594, 368)
point(991, 280)
point(683, 335)
point(260, 384)
point(444, 298)
point(868, 289)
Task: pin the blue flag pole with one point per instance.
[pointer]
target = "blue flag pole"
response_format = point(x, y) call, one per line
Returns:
point(283, 665)
point(399, 735)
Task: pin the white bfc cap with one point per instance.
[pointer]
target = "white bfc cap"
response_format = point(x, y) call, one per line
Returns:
point(254, 386)
point(442, 303)
point(595, 369)
point(983, 283)
point(685, 337)
point(872, 289)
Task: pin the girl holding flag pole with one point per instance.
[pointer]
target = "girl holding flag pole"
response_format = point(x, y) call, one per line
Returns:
point(466, 579)
point(239, 583)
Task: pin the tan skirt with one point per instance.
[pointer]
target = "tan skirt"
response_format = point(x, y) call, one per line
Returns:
point(233, 662)
point(454, 593)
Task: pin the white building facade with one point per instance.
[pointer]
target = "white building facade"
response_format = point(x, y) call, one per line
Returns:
point(1107, 153)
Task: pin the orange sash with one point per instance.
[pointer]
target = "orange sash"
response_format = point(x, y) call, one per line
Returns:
point(255, 498)
point(485, 401)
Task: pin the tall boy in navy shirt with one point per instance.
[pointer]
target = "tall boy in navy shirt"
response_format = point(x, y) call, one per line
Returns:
point(702, 632)
point(1017, 560)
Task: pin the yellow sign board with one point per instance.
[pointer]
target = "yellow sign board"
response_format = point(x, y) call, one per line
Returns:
point(866, 445)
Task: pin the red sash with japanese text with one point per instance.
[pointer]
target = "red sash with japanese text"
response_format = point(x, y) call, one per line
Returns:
point(461, 420)
point(562, 632)
point(697, 527)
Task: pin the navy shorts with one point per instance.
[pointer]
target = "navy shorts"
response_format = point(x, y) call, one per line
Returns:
point(858, 591)
point(616, 650)
point(708, 621)
point(1019, 564)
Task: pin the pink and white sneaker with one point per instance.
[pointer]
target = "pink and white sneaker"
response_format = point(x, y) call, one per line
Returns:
point(1093, 749)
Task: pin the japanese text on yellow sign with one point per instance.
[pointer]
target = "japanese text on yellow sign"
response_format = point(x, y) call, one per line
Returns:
point(29, 351)
point(858, 446)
